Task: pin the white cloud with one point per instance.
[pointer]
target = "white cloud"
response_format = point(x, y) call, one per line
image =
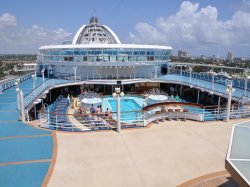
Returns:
point(198, 30)
point(7, 20)
point(15, 39)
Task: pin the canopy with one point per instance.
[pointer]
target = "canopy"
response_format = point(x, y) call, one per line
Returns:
point(158, 97)
point(92, 101)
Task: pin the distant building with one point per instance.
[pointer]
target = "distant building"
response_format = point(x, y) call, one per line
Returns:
point(216, 57)
point(230, 56)
point(204, 57)
point(183, 54)
point(239, 60)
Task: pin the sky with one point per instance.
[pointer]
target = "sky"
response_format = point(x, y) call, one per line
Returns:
point(208, 27)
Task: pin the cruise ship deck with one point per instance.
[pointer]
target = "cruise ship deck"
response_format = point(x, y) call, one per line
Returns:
point(54, 131)
point(26, 152)
point(33, 156)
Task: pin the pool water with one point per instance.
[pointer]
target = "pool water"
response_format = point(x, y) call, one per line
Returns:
point(127, 105)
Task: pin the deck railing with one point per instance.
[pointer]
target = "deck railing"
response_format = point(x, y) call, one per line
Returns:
point(237, 83)
point(87, 122)
point(10, 82)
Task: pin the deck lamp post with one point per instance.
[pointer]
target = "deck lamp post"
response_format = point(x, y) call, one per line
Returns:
point(18, 98)
point(75, 68)
point(43, 70)
point(213, 74)
point(245, 87)
point(229, 91)
point(198, 95)
point(34, 81)
point(117, 95)
point(17, 91)
point(35, 72)
point(17, 84)
point(18, 80)
point(190, 69)
point(22, 106)
point(246, 76)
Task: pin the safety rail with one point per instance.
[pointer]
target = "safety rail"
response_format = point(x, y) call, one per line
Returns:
point(131, 119)
point(237, 83)
point(203, 86)
point(31, 96)
point(221, 113)
point(195, 81)
point(10, 82)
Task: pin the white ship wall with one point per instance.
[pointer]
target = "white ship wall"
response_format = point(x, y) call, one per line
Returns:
point(105, 72)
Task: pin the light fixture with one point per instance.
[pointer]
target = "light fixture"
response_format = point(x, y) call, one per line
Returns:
point(114, 95)
point(117, 95)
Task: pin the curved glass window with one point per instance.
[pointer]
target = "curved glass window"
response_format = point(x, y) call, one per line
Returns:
point(104, 54)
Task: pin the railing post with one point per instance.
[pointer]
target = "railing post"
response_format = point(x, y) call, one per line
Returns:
point(218, 109)
point(35, 112)
point(245, 88)
point(18, 98)
point(22, 106)
point(56, 123)
point(203, 114)
point(27, 113)
point(1, 89)
point(229, 90)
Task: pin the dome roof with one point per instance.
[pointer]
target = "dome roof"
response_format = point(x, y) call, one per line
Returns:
point(93, 20)
point(95, 33)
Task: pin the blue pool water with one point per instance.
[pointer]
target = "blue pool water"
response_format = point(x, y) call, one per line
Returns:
point(133, 103)
point(127, 105)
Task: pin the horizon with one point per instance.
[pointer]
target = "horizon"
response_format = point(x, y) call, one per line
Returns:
point(198, 27)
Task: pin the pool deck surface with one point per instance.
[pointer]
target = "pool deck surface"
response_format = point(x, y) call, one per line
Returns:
point(26, 152)
point(166, 154)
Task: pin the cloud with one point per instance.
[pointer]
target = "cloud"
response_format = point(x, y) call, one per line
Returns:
point(7, 20)
point(15, 39)
point(198, 30)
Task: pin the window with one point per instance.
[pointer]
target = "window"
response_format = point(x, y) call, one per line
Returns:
point(85, 58)
point(69, 58)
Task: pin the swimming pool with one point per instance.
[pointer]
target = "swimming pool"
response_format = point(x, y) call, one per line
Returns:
point(134, 103)
point(128, 104)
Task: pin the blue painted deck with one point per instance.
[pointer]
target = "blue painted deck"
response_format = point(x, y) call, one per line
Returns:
point(26, 152)
point(23, 175)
